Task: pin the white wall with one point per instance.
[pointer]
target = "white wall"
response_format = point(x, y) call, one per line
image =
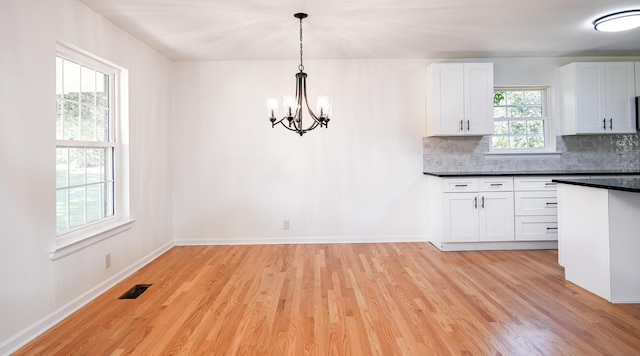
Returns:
point(236, 179)
point(36, 291)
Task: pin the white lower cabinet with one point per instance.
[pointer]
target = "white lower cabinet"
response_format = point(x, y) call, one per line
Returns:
point(473, 216)
point(492, 213)
point(536, 209)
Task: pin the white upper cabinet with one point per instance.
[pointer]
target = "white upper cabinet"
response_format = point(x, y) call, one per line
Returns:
point(459, 99)
point(637, 79)
point(598, 98)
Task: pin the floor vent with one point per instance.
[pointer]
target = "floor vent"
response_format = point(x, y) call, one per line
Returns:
point(135, 292)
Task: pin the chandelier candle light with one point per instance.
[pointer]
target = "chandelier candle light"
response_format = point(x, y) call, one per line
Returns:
point(293, 106)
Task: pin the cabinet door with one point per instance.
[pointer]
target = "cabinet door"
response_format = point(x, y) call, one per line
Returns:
point(496, 221)
point(590, 98)
point(620, 95)
point(445, 99)
point(460, 217)
point(478, 94)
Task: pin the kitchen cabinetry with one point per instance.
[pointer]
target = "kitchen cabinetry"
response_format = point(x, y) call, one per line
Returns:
point(598, 97)
point(478, 209)
point(459, 99)
point(637, 72)
point(536, 203)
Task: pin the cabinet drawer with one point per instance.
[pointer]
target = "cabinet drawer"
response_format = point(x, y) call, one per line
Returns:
point(499, 184)
point(452, 185)
point(534, 183)
point(536, 228)
point(536, 203)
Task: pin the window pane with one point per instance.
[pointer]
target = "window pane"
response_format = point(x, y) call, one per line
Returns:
point(76, 206)
point(514, 97)
point(518, 142)
point(76, 166)
point(498, 98)
point(535, 126)
point(102, 127)
point(533, 97)
point(94, 202)
point(517, 127)
point(536, 142)
point(515, 111)
point(500, 142)
point(71, 80)
point(88, 82)
point(501, 127)
point(62, 167)
point(88, 123)
point(95, 165)
point(499, 112)
point(62, 210)
point(71, 121)
point(531, 111)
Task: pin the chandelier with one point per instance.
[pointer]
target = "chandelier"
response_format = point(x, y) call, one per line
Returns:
point(293, 105)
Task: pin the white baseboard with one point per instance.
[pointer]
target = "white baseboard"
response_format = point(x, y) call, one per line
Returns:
point(31, 332)
point(299, 240)
point(488, 246)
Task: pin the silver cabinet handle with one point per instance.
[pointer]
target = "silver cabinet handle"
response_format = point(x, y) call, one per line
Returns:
point(468, 128)
point(496, 184)
point(482, 203)
point(552, 203)
point(475, 202)
point(461, 127)
point(549, 184)
point(552, 228)
point(604, 124)
point(461, 185)
point(610, 124)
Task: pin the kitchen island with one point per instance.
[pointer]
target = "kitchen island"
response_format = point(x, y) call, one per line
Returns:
point(599, 236)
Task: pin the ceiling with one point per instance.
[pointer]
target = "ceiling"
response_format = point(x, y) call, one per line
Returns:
point(344, 29)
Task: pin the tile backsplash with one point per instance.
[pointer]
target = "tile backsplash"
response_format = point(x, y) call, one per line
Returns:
point(577, 153)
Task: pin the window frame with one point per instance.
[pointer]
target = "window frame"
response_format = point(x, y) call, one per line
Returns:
point(79, 237)
point(549, 146)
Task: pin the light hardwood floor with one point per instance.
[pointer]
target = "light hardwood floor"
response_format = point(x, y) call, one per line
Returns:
point(347, 299)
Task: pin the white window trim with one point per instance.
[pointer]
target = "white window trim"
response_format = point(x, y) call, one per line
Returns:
point(75, 240)
point(549, 132)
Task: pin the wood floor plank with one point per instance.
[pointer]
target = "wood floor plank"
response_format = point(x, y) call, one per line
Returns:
point(347, 299)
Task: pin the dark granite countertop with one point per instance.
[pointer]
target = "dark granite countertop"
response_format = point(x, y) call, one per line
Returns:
point(624, 184)
point(528, 173)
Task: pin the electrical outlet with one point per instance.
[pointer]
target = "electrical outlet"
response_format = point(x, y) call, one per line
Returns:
point(107, 260)
point(285, 225)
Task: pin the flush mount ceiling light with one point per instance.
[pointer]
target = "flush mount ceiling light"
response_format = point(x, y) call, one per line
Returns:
point(293, 106)
point(619, 21)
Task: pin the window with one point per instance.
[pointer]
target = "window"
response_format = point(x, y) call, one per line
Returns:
point(520, 120)
point(89, 170)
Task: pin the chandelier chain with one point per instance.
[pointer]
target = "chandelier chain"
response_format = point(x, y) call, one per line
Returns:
point(301, 67)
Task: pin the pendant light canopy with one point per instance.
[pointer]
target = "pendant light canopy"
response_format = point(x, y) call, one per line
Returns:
point(294, 106)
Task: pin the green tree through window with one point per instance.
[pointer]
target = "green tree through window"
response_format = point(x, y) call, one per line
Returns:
point(519, 119)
